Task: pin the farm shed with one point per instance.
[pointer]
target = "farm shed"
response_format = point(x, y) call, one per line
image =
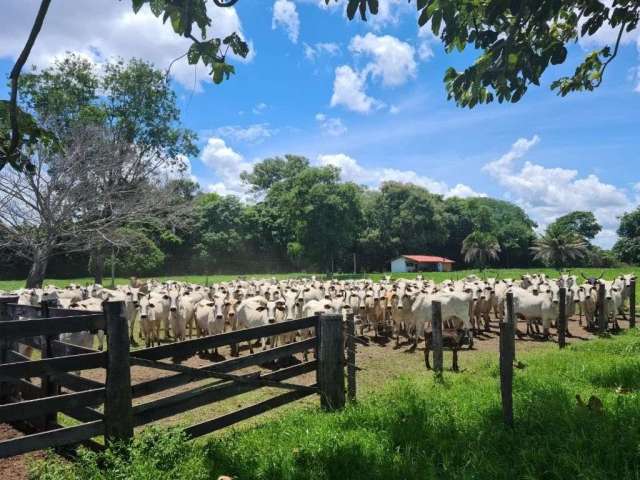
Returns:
point(421, 263)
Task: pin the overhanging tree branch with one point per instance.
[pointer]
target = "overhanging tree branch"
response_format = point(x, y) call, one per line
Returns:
point(15, 75)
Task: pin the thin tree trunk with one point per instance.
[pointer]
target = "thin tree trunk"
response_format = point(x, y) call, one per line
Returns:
point(98, 266)
point(38, 270)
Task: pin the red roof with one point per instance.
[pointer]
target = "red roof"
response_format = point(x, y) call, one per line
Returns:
point(427, 259)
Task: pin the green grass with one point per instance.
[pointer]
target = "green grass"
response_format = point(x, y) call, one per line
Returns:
point(417, 429)
point(609, 273)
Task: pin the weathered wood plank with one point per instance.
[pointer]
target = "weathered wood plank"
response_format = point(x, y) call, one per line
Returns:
point(330, 362)
point(36, 368)
point(118, 413)
point(351, 358)
point(164, 383)
point(562, 317)
point(209, 372)
point(16, 329)
point(236, 416)
point(33, 408)
point(29, 391)
point(189, 347)
point(436, 339)
point(169, 406)
point(632, 304)
point(61, 349)
point(507, 355)
point(51, 438)
point(66, 380)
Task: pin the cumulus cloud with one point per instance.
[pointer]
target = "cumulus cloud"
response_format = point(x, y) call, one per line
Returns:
point(390, 61)
point(312, 52)
point(547, 193)
point(353, 171)
point(332, 126)
point(103, 29)
point(255, 133)
point(349, 91)
point(285, 15)
point(227, 164)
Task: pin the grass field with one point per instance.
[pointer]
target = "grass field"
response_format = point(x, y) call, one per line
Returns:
point(609, 273)
point(415, 428)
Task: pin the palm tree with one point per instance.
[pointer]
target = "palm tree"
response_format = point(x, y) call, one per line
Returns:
point(558, 248)
point(480, 248)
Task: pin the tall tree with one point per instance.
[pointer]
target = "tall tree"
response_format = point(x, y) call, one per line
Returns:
point(558, 249)
point(480, 248)
point(581, 223)
point(627, 248)
point(18, 129)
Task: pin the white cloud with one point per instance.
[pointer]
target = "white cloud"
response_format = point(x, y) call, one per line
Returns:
point(547, 193)
point(227, 164)
point(352, 171)
point(259, 108)
point(285, 15)
point(332, 126)
point(393, 60)
point(312, 52)
point(255, 133)
point(348, 91)
point(103, 29)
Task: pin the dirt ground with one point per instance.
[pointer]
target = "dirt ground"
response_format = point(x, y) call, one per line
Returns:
point(380, 360)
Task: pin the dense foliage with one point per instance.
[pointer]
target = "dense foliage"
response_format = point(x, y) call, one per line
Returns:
point(628, 246)
point(415, 429)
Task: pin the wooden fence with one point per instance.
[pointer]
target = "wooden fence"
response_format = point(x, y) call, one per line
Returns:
point(33, 406)
point(507, 339)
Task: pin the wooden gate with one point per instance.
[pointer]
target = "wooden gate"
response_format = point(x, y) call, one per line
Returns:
point(33, 405)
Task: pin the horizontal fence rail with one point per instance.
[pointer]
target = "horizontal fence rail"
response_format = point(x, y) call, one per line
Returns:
point(33, 408)
point(51, 438)
point(188, 347)
point(54, 365)
point(169, 406)
point(61, 390)
point(16, 329)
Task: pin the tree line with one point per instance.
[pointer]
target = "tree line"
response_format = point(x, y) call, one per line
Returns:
point(103, 196)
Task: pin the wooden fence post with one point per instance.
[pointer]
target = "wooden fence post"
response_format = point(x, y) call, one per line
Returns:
point(602, 318)
point(562, 316)
point(5, 345)
point(632, 304)
point(351, 357)
point(436, 338)
point(330, 363)
point(48, 386)
point(507, 355)
point(118, 411)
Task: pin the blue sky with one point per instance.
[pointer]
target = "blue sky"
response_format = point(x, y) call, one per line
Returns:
point(369, 98)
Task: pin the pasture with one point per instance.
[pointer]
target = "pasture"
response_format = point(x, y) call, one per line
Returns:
point(608, 274)
point(414, 428)
point(385, 369)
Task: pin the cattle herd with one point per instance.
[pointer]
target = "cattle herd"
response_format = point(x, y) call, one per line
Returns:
point(174, 311)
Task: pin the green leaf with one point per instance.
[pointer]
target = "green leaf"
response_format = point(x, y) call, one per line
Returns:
point(559, 56)
point(352, 7)
point(137, 5)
